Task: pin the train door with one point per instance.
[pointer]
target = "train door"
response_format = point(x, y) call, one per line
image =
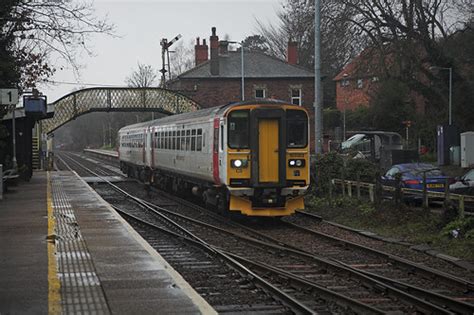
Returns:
point(268, 149)
point(147, 149)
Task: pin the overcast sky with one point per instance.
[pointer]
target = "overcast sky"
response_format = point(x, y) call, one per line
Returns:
point(141, 25)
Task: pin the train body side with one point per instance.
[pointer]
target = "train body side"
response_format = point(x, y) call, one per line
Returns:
point(248, 157)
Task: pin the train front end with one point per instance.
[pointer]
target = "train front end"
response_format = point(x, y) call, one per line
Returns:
point(267, 158)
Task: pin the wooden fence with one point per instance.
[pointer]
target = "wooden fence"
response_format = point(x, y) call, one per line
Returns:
point(376, 191)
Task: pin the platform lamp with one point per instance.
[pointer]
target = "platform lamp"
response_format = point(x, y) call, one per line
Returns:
point(450, 69)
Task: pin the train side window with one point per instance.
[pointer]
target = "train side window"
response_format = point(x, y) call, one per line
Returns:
point(193, 140)
point(165, 136)
point(199, 140)
point(188, 140)
point(178, 140)
point(170, 140)
point(173, 146)
point(203, 139)
point(183, 140)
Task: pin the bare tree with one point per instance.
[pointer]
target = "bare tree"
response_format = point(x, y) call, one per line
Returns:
point(43, 29)
point(340, 41)
point(143, 76)
point(407, 36)
point(182, 58)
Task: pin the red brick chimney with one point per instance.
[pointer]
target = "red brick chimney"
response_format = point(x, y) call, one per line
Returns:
point(292, 55)
point(200, 51)
point(214, 52)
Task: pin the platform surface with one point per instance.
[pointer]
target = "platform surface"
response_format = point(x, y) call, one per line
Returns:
point(23, 248)
point(65, 250)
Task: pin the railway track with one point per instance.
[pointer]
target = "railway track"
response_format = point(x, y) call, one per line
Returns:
point(259, 252)
point(245, 290)
point(392, 246)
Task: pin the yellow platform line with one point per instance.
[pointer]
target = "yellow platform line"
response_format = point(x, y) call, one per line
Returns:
point(54, 286)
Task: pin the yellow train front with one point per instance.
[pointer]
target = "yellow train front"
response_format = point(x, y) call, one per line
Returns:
point(263, 157)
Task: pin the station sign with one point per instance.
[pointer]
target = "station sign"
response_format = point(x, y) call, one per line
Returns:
point(35, 106)
point(8, 96)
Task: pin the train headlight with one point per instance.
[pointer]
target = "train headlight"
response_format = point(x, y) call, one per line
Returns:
point(239, 163)
point(296, 163)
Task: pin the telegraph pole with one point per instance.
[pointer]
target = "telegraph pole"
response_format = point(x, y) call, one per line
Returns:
point(318, 111)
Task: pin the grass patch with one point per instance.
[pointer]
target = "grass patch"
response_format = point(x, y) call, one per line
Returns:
point(414, 225)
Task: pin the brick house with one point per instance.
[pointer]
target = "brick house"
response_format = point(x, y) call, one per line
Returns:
point(358, 81)
point(217, 80)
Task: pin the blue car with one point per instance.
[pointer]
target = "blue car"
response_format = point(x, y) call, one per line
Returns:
point(412, 176)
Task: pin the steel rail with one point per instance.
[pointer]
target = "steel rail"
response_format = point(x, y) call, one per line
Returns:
point(294, 304)
point(400, 293)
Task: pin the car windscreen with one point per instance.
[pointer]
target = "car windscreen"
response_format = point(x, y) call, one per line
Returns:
point(429, 172)
point(238, 130)
point(296, 128)
point(352, 141)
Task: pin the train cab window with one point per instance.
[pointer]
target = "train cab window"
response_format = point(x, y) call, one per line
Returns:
point(199, 140)
point(188, 140)
point(296, 129)
point(238, 130)
point(193, 140)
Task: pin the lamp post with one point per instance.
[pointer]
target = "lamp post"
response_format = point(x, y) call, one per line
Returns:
point(450, 89)
point(318, 98)
point(344, 108)
point(241, 67)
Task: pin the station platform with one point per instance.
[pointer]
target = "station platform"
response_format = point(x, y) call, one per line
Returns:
point(64, 250)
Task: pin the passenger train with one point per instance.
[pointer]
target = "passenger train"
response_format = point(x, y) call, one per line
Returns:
point(248, 157)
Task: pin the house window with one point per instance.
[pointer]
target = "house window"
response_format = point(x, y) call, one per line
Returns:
point(360, 83)
point(344, 83)
point(296, 97)
point(375, 79)
point(259, 93)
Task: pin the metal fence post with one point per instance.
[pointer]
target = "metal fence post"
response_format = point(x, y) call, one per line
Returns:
point(349, 189)
point(1, 181)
